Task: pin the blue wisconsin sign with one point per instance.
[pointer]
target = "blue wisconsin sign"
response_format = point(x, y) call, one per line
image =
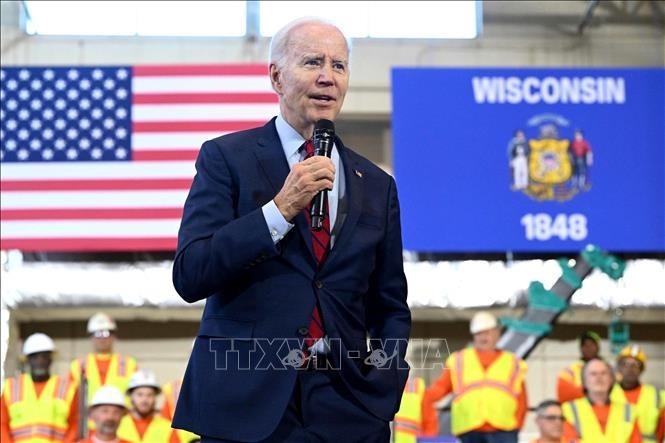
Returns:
point(491, 160)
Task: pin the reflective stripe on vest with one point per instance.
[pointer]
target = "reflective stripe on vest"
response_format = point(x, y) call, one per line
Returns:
point(647, 409)
point(36, 432)
point(42, 418)
point(171, 392)
point(17, 392)
point(619, 427)
point(407, 424)
point(485, 396)
point(576, 419)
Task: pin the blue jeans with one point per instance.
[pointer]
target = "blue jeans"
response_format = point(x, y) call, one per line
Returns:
point(489, 437)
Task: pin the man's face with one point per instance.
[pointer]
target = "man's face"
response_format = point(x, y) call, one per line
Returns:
point(313, 76)
point(486, 340)
point(102, 341)
point(143, 400)
point(589, 349)
point(107, 418)
point(550, 423)
point(40, 363)
point(598, 377)
point(630, 369)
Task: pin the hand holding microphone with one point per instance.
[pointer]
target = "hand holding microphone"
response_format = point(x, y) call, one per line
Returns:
point(324, 138)
point(310, 178)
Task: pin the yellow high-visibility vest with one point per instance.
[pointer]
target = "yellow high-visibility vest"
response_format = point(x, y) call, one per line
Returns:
point(647, 409)
point(573, 373)
point(407, 424)
point(159, 430)
point(38, 419)
point(121, 368)
point(620, 421)
point(484, 396)
point(171, 391)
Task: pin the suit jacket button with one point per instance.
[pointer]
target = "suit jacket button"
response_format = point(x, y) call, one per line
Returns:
point(318, 284)
point(303, 331)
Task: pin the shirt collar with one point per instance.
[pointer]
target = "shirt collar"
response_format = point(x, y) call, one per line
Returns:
point(290, 138)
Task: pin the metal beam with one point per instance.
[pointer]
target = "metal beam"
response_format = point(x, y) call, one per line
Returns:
point(588, 15)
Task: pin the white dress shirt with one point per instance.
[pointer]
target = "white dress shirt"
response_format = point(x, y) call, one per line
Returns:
point(291, 142)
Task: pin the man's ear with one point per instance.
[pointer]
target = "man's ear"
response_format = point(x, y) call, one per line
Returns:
point(276, 78)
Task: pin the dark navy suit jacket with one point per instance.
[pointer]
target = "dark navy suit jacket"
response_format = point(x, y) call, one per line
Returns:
point(260, 295)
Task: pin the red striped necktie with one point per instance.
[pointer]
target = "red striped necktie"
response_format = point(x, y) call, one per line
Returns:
point(320, 246)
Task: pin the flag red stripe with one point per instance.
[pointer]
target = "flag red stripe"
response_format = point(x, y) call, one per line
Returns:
point(95, 185)
point(91, 214)
point(91, 244)
point(195, 126)
point(223, 97)
point(170, 154)
point(173, 70)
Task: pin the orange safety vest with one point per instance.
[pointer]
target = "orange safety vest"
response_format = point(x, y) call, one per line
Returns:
point(121, 368)
point(407, 425)
point(647, 409)
point(573, 375)
point(171, 391)
point(38, 419)
point(485, 396)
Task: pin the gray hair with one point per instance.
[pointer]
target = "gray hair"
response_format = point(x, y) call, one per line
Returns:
point(281, 40)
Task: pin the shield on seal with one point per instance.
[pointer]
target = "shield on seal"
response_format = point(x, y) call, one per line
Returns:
point(549, 163)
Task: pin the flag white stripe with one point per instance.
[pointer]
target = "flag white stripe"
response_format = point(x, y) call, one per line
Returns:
point(90, 228)
point(202, 112)
point(98, 171)
point(92, 199)
point(171, 140)
point(201, 84)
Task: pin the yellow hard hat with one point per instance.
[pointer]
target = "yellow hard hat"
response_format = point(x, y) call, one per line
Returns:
point(635, 352)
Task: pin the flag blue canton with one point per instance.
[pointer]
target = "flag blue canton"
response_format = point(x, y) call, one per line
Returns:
point(51, 114)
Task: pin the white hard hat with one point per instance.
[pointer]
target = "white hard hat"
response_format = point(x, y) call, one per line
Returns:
point(38, 343)
point(482, 321)
point(100, 322)
point(108, 395)
point(143, 378)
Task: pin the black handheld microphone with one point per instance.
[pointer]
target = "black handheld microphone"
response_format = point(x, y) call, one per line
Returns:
point(324, 137)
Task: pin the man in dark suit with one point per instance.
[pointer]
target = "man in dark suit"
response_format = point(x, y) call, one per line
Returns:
point(282, 351)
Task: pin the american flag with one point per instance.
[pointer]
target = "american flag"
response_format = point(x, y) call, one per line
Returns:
point(101, 157)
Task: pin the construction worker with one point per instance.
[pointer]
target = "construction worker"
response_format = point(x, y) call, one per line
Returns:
point(594, 418)
point(646, 399)
point(106, 410)
point(143, 423)
point(103, 366)
point(549, 420)
point(569, 381)
point(170, 393)
point(489, 402)
point(407, 424)
point(38, 407)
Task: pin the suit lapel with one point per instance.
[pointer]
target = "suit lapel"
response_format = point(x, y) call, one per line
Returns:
point(353, 175)
point(271, 159)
